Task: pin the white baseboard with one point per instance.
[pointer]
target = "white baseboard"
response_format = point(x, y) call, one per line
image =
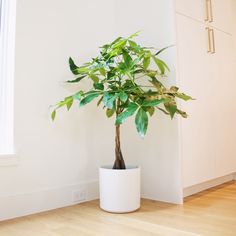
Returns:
point(208, 184)
point(34, 202)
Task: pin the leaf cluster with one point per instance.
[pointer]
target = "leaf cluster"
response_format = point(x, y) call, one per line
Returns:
point(126, 79)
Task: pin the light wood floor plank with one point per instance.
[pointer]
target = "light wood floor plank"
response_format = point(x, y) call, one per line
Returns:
point(211, 213)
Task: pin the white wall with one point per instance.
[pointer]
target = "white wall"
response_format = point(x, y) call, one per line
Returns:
point(61, 156)
point(54, 159)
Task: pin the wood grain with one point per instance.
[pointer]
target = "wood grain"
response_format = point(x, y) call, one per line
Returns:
point(211, 212)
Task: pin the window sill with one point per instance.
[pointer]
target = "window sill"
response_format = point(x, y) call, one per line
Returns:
point(9, 160)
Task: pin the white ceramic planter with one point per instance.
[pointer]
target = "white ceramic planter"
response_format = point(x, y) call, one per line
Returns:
point(119, 189)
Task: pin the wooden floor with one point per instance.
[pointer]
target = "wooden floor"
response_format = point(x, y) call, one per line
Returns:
point(212, 212)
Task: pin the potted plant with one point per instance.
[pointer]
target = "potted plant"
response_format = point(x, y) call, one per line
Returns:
point(125, 78)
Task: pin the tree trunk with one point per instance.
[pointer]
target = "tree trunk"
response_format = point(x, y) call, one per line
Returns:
point(119, 162)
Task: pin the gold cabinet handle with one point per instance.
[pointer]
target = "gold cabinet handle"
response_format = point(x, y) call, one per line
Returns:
point(207, 10)
point(213, 41)
point(211, 11)
point(209, 40)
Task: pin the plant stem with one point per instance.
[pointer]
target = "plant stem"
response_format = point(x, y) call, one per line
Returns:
point(119, 161)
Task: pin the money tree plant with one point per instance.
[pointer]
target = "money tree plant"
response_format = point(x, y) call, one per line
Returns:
point(126, 79)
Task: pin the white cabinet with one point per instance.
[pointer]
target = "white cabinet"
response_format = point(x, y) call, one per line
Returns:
point(208, 147)
point(223, 107)
point(194, 77)
point(216, 12)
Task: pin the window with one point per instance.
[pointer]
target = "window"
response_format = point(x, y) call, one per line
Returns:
point(7, 51)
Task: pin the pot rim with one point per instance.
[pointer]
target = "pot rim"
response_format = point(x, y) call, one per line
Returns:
point(128, 168)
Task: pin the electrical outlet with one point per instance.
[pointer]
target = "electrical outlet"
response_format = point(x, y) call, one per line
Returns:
point(79, 195)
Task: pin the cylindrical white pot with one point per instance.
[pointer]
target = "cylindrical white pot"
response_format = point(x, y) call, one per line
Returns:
point(119, 189)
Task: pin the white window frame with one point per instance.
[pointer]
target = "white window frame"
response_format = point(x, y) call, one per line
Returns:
point(7, 68)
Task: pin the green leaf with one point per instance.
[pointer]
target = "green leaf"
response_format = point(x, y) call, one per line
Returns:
point(88, 98)
point(134, 47)
point(61, 104)
point(69, 102)
point(102, 71)
point(141, 122)
point(134, 35)
point(119, 44)
point(77, 70)
point(115, 41)
point(127, 58)
point(151, 110)
point(136, 61)
point(53, 115)
point(123, 96)
point(174, 89)
point(109, 99)
point(151, 73)
point(76, 80)
point(99, 101)
point(110, 75)
point(171, 108)
point(164, 111)
point(163, 49)
point(161, 65)
point(98, 86)
point(152, 103)
point(129, 111)
point(110, 112)
point(112, 85)
point(94, 78)
point(82, 70)
point(146, 62)
point(78, 95)
point(182, 113)
point(133, 44)
point(184, 96)
point(156, 83)
point(73, 67)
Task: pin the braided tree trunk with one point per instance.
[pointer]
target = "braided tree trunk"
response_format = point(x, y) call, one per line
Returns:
point(119, 162)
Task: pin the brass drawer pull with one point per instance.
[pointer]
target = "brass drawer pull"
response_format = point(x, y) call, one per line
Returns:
point(209, 40)
point(211, 12)
point(213, 41)
point(207, 10)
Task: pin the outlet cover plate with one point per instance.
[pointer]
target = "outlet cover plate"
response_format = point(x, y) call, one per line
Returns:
point(79, 195)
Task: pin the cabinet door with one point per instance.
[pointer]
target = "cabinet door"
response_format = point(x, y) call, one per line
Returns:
point(222, 15)
point(194, 75)
point(223, 108)
point(195, 9)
